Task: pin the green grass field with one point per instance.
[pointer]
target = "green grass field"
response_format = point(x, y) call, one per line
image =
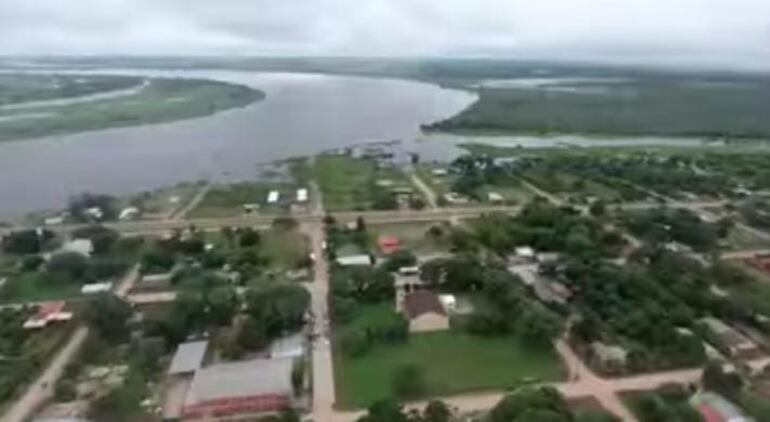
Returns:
point(284, 248)
point(413, 236)
point(348, 183)
point(163, 100)
point(35, 287)
point(452, 363)
point(228, 200)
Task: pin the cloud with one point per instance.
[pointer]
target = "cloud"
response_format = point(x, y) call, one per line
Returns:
point(717, 33)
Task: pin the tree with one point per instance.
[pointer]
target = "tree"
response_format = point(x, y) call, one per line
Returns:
point(223, 304)
point(538, 326)
point(436, 411)
point(384, 411)
point(157, 260)
point(716, 379)
point(598, 208)
point(253, 334)
point(355, 343)
point(102, 238)
point(26, 241)
point(523, 402)
point(248, 237)
point(409, 382)
point(280, 307)
point(298, 376)
point(71, 266)
point(400, 258)
point(108, 316)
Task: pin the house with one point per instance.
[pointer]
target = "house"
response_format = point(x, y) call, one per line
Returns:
point(47, 313)
point(93, 288)
point(424, 311)
point(250, 208)
point(609, 354)
point(82, 246)
point(495, 197)
point(525, 252)
point(272, 197)
point(302, 195)
point(735, 343)
point(239, 390)
point(388, 244)
point(354, 260)
point(129, 213)
point(526, 272)
point(455, 198)
point(439, 172)
point(188, 357)
point(549, 291)
point(292, 346)
point(715, 408)
point(409, 271)
point(54, 221)
point(95, 213)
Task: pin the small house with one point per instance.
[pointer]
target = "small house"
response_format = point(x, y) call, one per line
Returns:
point(129, 213)
point(425, 312)
point(81, 246)
point(93, 288)
point(495, 197)
point(273, 196)
point(354, 260)
point(302, 195)
point(47, 313)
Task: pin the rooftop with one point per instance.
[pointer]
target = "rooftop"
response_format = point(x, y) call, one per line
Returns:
point(188, 357)
point(422, 302)
point(240, 379)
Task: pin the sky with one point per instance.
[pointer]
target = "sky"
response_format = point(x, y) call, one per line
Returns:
point(731, 34)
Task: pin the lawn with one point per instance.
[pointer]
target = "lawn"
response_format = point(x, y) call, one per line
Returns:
point(351, 184)
point(413, 236)
point(35, 287)
point(228, 200)
point(285, 249)
point(451, 362)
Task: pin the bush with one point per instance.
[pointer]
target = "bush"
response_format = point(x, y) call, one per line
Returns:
point(409, 382)
point(65, 390)
point(69, 265)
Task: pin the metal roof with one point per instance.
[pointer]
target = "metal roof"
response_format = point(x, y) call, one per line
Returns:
point(188, 357)
point(241, 379)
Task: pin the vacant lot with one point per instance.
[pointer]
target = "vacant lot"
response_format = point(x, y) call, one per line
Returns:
point(229, 200)
point(356, 184)
point(452, 362)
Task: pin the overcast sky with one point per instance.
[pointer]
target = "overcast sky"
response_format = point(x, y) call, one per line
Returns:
point(715, 33)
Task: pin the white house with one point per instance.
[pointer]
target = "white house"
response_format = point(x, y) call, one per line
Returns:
point(354, 260)
point(302, 195)
point(82, 246)
point(129, 213)
point(94, 288)
point(272, 197)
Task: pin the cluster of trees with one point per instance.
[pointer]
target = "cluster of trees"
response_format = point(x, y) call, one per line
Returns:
point(663, 225)
point(338, 236)
point(28, 242)
point(20, 357)
point(525, 405)
point(667, 404)
point(546, 227)
point(505, 305)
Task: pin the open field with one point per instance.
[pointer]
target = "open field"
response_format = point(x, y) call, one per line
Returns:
point(18, 89)
point(160, 100)
point(413, 236)
point(452, 363)
point(229, 200)
point(357, 184)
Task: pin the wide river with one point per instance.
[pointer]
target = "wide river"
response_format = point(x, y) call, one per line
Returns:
point(302, 115)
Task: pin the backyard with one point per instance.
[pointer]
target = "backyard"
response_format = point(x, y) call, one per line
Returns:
point(451, 362)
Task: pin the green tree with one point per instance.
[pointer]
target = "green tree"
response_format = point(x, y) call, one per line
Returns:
point(70, 266)
point(384, 411)
point(102, 238)
point(398, 259)
point(108, 316)
point(280, 307)
point(538, 326)
point(253, 334)
point(436, 411)
point(524, 401)
point(409, 382)
point(223, 304)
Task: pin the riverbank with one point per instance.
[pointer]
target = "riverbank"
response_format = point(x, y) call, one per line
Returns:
point(157, 100)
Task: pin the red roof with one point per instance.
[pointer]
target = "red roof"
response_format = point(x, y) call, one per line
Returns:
point(710, 414)
point(47, 309)
point(388, 243)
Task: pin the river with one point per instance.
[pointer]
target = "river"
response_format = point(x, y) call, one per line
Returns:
point(302, 115)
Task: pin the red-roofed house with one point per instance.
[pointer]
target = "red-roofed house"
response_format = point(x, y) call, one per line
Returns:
point(388, 244)
point(48, 312)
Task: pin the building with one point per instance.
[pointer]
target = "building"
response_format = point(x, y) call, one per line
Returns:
point(93, 288)
point(525, 252)
point(54, 221)
point(273, 196)
point(424, 311)
point(302, 195)
point(239, 390)
point(715, 408)
point(292, 346)
point(188, 357)
point(495, 197)
point(129, 213)
point(47, 313)
point(82, 246)
point(736, 344)
point(549, 291)
point(388, 244)
point(439, 172)
point(354, 260)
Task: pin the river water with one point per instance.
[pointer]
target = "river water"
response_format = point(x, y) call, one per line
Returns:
point(302, 115)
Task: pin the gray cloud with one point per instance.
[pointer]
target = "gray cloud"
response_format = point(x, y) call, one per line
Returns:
point(718, 33)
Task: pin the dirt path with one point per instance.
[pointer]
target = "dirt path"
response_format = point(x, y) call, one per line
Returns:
point(430, 195)
point(194, 202)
